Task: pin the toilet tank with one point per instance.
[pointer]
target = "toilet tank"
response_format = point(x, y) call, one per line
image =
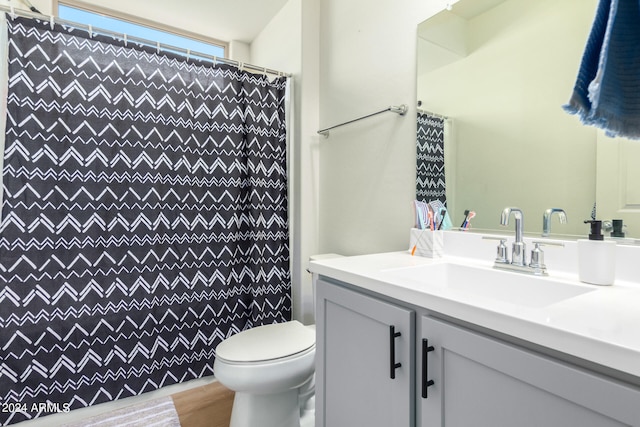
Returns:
point(314, 276)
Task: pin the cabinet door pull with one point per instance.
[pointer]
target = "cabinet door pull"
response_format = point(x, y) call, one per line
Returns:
point(426, 383)
point(392, 354)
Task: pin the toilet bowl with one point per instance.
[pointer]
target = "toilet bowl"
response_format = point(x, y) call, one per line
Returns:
point(271, 369)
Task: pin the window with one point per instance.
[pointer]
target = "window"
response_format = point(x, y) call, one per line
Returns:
point(130, 28)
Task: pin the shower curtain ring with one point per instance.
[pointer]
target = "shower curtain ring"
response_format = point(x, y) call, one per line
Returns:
point(52, 22)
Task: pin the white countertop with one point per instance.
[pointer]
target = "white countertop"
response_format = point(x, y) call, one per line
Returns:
point(601, 326)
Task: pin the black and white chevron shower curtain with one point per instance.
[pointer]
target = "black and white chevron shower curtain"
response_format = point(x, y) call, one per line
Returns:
point(144, 217)
point(430, 177)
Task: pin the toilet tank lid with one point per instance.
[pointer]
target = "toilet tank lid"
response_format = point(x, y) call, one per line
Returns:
point(267, 342)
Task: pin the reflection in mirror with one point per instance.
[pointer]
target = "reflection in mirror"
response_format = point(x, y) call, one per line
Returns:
point(500, 70)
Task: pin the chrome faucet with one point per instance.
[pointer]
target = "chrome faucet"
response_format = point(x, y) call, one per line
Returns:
point(546, 219)
point(518, 257)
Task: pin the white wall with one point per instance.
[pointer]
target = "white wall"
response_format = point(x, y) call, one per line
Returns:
point(290, 43)
point(367, 169)
point(239, 51)
point(43, 6)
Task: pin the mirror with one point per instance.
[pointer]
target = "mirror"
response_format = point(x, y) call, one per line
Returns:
point(500, 71)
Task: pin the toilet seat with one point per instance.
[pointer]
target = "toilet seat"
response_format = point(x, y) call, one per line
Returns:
point(267, 343)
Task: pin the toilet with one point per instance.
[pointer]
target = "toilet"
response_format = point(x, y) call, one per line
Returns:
point(267, 367)
point(271, 369)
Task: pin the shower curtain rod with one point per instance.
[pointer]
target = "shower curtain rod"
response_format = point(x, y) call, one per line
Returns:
point(160, 46)
point(398, 109)
point(429, 113)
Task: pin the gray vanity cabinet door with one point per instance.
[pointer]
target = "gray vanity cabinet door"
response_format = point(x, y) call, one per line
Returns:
point(354, 354)
point(479, 381)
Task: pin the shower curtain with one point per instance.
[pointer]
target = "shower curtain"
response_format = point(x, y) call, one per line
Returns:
point(144, 217)
point(430, 178)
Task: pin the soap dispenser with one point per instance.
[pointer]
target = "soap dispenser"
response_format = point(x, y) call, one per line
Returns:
point(617, 228)
point(596, 257)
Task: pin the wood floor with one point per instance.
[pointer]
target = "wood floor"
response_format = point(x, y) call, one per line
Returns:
point(206, 406)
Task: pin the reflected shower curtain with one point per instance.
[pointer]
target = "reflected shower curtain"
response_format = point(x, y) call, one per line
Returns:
point(144, 217)
point(430, 179)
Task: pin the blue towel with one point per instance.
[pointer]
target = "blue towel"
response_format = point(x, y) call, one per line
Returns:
point(607, 90)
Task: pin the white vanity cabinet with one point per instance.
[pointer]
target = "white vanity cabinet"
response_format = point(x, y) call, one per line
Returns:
point(482, 381)
point(456, 377)
point(363, 360)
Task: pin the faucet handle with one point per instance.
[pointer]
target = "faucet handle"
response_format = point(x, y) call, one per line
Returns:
point(501, 251)
point(537, 255)
point(547, 243)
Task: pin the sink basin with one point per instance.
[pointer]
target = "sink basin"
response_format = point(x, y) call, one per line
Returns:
point(514, 288)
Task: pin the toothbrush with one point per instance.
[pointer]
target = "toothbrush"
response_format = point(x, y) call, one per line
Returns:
point(421, 210)
point(443, 212)
point(431, 220)
point(436, 207)
point(466, 216)
point(471, 215)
